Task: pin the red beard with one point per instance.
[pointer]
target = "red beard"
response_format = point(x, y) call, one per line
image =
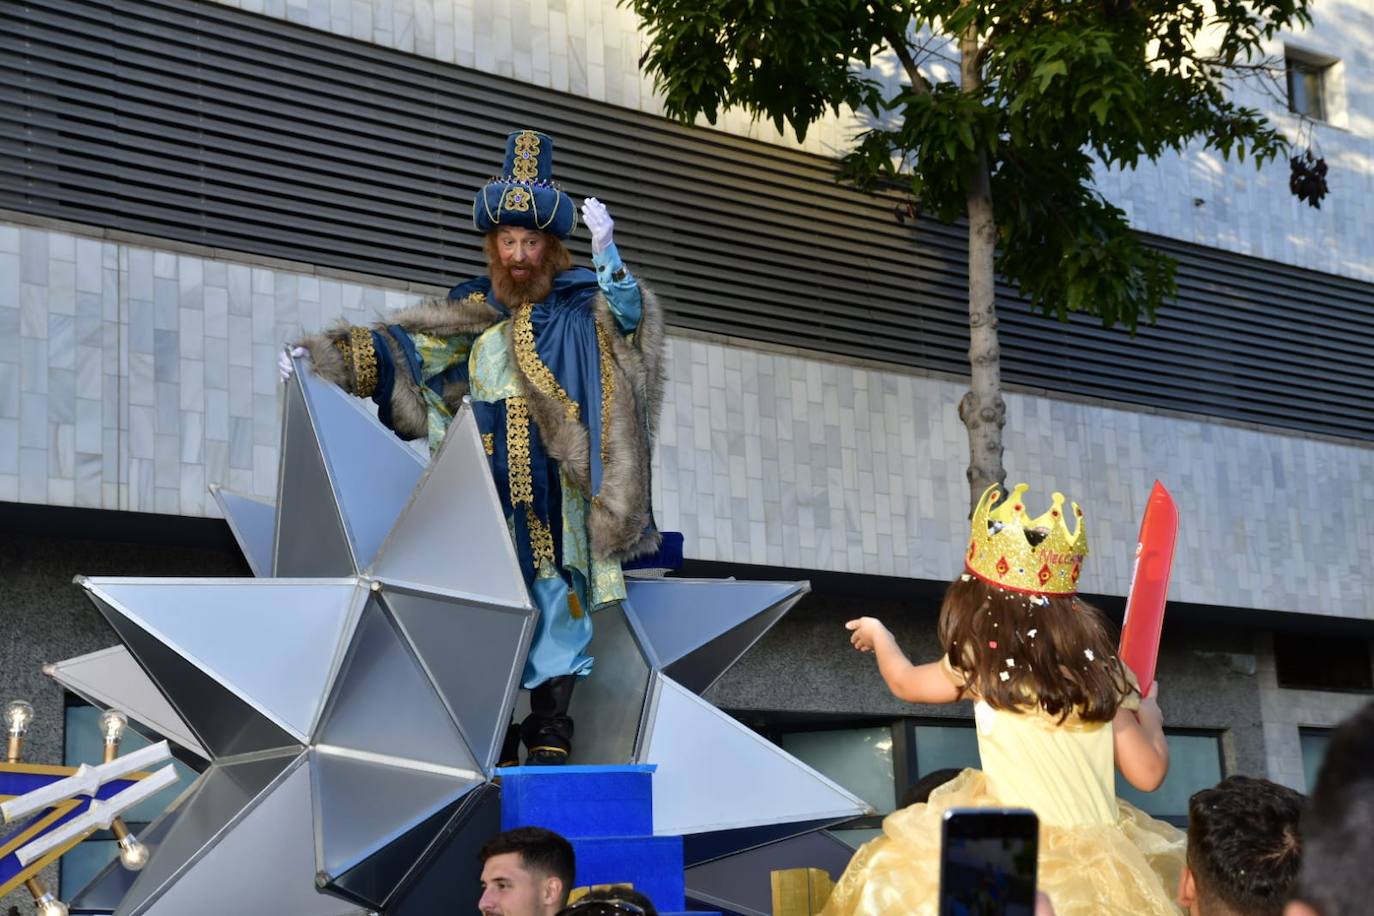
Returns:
point(513, 293)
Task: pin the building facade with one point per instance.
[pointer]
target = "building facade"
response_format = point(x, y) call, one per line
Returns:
point(186, 184)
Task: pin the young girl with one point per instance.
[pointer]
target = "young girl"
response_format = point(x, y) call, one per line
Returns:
point(1054, 709)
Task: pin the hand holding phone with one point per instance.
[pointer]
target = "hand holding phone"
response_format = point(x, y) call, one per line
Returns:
point(987, 862)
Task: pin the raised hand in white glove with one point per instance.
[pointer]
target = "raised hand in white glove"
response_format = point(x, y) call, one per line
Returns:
point(284, 361)
point(599, 223)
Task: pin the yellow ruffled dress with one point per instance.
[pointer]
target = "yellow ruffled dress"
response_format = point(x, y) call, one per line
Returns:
point(1098, 854)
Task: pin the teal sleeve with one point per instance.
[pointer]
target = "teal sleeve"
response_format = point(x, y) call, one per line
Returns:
point(620, 287)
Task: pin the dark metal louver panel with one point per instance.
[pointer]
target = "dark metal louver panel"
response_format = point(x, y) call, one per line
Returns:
point(197, 122)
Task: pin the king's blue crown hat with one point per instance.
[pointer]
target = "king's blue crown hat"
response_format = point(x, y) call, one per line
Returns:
point(525, 194)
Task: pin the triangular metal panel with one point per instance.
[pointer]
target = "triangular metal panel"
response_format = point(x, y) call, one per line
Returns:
point(742, 882)
point(245, 632)
point(310, 536)
point(253, 522)
point(377, 879)
point(264, 864)
point(103, 894)
point(451, 870)
point(608, 707)
point(703, 848)
point(222, 722)
point(203, 815)
point(452, 533)
point(716, 774)
point(698, 628)
point(383, 703)
point(372, 472)
point(362, 806)
point(112, 678)
point(474, 654)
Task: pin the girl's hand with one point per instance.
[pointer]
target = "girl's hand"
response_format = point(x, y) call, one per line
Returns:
point(865, 632)
point(1149, 706)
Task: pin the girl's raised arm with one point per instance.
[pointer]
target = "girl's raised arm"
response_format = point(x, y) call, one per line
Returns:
point(912, 683)
point(1142, 754)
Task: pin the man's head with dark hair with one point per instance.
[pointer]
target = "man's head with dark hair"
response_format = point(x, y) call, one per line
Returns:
point(1337, 836)
point(527, 871)
point(611, 901)
point(1244, 848)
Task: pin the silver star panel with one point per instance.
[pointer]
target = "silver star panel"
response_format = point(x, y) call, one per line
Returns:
point(253, 522)
point(716, 774)
point(111, 678)
point(713, 774)
point(343, 482)
point(352, 719)
point(364, 693)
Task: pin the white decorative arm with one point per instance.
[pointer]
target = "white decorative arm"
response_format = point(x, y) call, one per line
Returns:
point(99, 815)
point(87, 780)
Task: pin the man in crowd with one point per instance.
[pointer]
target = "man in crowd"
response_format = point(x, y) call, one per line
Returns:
point(1338, 826)
point(1244, 848)
point(527, 871)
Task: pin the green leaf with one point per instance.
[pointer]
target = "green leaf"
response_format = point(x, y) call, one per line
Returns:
point(966, 134)
point(1047, 71)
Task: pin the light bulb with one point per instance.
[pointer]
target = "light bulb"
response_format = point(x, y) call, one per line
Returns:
point(48, 905)
point(112, 725)
point(18, 715)
point(133, 855)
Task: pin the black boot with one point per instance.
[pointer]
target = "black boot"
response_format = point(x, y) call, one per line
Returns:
point(547, 731)
point(510, 747)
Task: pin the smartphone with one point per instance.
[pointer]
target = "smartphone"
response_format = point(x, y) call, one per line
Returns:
point(987, 862)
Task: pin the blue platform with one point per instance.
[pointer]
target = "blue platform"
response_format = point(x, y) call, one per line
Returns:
point(607, 813)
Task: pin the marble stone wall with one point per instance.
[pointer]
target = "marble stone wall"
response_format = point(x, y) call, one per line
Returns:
point(131, 377)
point(591, 48)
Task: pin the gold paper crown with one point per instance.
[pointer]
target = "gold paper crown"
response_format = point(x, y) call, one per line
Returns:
point(1000, 553)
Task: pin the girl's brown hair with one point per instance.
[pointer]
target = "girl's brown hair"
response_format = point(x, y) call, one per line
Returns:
point(1057, 655)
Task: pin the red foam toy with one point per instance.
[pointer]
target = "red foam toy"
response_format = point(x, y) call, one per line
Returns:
point(1154, 560)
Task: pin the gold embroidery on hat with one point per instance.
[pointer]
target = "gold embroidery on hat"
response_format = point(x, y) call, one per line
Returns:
point(517, 198)
point(525, 164)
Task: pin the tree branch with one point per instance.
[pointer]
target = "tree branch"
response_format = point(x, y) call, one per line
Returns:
point(913, 73)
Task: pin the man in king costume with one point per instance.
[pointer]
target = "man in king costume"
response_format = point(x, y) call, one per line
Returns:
point(563, 366)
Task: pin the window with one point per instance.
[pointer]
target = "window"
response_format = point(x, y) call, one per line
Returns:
point(1194, 764)
point(1307, 77)
point(860, 759)
point(1304, 661)
point(878, 762)
point(1314, 742)
point(84, 744)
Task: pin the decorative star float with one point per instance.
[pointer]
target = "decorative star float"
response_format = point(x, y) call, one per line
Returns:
point(352, 699)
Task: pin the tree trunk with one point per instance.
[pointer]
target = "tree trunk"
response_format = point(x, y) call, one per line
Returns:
point(982, 409)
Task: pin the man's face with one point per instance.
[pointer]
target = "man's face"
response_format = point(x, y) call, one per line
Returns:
point(509, 889)
point(521, 251)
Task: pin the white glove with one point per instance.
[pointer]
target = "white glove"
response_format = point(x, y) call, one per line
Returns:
point(284, 361)
point(599, 223)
